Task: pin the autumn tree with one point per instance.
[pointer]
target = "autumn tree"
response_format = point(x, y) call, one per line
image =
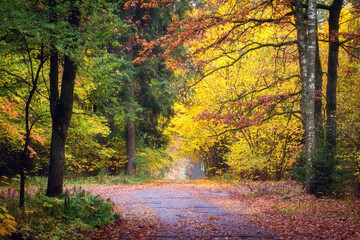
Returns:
point(306, 36)
point(245, 22)
point(235, 22)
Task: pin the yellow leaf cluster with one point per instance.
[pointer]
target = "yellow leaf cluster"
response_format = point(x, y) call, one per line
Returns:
point(7, 222)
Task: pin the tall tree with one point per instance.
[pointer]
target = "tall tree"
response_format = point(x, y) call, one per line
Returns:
point(307, 35)
point(130, 129)
point(61, 102)
point(333, 58)
point(310, 92)
point(25, 154)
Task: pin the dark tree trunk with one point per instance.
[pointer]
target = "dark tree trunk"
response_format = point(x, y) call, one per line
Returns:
point(60, 125)
point(318, 96)
point(301, 42)
point(331, 125)
point(22, 180)
point(24, 156)
point(130, 133)
point(61, 111)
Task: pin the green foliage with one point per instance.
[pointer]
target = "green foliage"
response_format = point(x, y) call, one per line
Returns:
point(330, 173)
point(61, 218)
point(97, 133)
point(85, 153)
point(298, 169)
point(153, 94)
point(25, 32)
point(109, 75)
point(92, 210)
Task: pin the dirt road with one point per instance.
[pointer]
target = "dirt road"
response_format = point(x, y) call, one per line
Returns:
point(176, 210)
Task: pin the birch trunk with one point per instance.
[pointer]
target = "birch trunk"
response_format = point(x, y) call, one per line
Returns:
point(307, 35)
point(310, 94)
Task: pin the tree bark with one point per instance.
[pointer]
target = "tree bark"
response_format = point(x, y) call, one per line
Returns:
point(301, 42)
point(24, 156)
point(318, 97)
point(307, 35)
point(130, 122)
point(331, 125)
point(130, 133)
point(61, 111)
point(310, 92)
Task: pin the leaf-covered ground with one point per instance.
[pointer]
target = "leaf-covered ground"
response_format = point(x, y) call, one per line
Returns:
point(203, 209)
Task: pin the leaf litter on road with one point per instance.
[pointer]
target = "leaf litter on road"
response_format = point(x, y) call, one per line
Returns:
point(255, 210)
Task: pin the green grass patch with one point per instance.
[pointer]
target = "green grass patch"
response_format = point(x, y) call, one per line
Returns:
point(289, 209)
point(101, 179)
point(106, 180)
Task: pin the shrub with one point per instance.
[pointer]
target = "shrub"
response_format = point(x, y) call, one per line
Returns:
point(329, 173)
point(60, 218)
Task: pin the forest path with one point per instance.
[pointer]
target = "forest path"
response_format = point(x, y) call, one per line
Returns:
point(176, 209)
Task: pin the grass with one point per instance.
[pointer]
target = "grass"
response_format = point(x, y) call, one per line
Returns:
point(102, 179)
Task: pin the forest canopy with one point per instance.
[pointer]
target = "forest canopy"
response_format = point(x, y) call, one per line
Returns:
point(261, 90)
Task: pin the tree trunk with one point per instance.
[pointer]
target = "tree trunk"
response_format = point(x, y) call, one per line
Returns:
point(310, 92)
point(306, 35)
point(24, 156)
point(318, 97)
point(61, 111)
point(301, 42)
point(331, 125)
point(130, 133)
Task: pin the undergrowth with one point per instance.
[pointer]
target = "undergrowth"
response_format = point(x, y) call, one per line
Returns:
point(64, 217)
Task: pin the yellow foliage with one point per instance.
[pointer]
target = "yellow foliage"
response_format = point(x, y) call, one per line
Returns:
point(348, 118)
point(275, 143)
point(273, 147)
point(152, 162)
point(7, 222)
